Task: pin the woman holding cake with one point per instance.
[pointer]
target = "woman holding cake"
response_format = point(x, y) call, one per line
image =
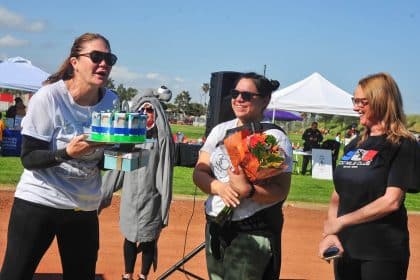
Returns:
point(59, 191)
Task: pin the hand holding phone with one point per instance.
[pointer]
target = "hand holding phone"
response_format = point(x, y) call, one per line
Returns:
point(331, 253)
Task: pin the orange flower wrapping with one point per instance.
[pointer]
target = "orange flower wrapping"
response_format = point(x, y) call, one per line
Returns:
point(258, 154)
point(236, 151)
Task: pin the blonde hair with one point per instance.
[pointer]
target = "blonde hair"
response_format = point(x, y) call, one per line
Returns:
point(385, 102)
point(65, 72)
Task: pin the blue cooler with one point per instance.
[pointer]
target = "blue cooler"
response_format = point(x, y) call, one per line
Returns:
point(12, 141)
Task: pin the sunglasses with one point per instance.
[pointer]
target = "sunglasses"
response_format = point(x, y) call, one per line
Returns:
point(147, 110)
point(97, 57)
point(246, 95)
point(360, 101)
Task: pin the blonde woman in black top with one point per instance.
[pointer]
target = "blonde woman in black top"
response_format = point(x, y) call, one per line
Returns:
point(367, 219)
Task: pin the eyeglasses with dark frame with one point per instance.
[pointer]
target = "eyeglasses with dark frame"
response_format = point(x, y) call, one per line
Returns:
point(147, 110)
point(246, 95)
point(98, 56)
point(360, 101)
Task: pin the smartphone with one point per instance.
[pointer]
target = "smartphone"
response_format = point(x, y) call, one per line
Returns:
point(331, 253)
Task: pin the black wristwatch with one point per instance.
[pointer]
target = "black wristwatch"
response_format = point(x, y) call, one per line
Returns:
point(251, 191)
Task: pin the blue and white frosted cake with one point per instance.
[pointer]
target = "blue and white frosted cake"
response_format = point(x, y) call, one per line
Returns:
point(118, 127)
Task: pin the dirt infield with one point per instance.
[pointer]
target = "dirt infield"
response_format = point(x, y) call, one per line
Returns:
point(301, 235)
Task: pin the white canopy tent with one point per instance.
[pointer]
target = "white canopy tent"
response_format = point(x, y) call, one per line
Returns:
point(314, 94)
point(19, 73)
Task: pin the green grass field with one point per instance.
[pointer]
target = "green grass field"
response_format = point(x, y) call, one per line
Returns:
point(192, 132)
point(304, 188)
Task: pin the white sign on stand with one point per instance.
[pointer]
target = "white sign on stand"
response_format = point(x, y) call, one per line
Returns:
point(322, 164)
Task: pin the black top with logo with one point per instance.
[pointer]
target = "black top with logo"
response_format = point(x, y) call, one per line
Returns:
point(362, 176)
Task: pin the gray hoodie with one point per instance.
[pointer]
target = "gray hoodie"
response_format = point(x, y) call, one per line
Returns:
point(147, 191)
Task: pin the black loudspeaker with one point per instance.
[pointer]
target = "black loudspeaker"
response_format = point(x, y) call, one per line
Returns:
point(220, 109)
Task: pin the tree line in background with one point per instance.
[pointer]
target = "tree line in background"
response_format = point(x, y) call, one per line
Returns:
point(183, 109)
point(181, 105)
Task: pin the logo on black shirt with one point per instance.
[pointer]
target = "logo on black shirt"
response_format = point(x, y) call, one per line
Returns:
point(359, 157)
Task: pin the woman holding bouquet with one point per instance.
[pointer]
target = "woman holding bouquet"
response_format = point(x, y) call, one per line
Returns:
point(367, 219)
point(248, 245)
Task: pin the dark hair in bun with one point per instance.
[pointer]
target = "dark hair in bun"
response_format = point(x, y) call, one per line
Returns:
point(275, 84)
point(264, 86)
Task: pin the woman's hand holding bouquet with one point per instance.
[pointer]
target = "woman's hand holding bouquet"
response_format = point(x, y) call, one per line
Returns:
point(228, 194)
point(239, 182)
point(257, 155)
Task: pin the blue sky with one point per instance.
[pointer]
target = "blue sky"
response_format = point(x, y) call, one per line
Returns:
point(180, 43)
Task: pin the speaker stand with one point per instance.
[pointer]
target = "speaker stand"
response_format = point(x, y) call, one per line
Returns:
point(181, 262)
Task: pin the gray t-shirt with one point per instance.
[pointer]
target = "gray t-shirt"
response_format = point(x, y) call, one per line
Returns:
point(220, 162)
point(54, 116)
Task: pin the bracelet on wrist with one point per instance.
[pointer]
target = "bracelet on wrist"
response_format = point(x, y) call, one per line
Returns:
point(251, 191)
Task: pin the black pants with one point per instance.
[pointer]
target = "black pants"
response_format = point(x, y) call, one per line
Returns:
point(130, 255)
point(305, 162)
point(32, 228)
point(351, 269)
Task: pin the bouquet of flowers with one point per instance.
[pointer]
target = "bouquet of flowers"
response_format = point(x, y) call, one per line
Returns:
point(258, 154)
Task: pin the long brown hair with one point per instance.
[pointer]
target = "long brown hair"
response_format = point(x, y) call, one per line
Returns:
point(65, 72)
point(386, 104)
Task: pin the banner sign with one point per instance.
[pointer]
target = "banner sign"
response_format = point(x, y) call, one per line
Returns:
point(322, 164)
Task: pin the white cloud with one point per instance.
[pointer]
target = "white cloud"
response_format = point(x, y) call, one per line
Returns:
point(36, 26)
point(154, 76)
point(11, 20)
point(122, 75)
point(10, 41)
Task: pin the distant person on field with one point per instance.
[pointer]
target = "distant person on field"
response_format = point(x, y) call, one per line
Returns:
point(19, 109)
point(338, 137)
point(2, 127)
point(351, 134)
point(312, 139)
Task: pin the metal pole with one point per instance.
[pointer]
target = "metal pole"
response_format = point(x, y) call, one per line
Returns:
point(178, 265)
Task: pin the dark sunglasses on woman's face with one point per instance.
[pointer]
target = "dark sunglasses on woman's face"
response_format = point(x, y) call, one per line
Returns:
point(97, 57)
point(246, 95)
point(146, 110)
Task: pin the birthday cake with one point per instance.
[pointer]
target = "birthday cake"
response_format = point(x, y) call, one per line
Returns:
point(118, 127)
